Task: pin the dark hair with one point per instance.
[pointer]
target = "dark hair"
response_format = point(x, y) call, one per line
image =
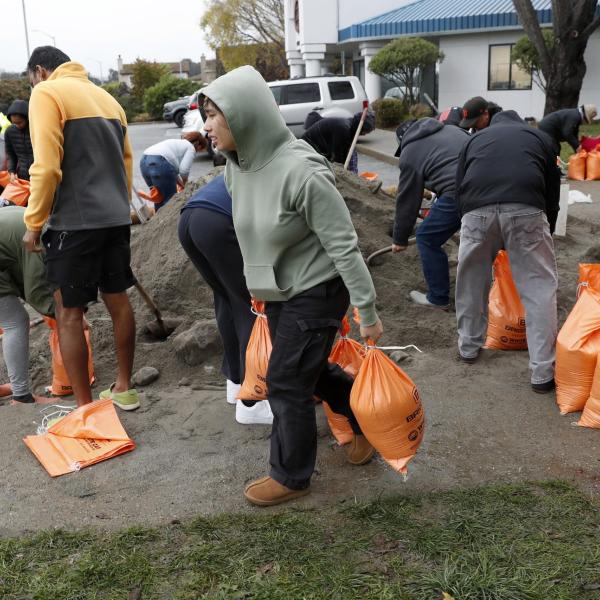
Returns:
point(48, 57)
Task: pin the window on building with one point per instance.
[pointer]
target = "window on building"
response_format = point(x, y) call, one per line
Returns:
point(277, 93)
point(340, 90)
point(300, 93)
point(503, 72)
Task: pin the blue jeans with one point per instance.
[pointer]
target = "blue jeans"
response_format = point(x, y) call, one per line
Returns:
point(440, 225)
point(157, 171)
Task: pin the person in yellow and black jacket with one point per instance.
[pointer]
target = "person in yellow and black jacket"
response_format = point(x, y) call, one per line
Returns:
point(80, 190)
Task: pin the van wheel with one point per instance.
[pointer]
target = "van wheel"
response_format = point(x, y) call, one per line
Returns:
point(178, 118)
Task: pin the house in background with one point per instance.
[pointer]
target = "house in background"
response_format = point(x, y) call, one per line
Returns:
point(476, 37)
point(204, 71)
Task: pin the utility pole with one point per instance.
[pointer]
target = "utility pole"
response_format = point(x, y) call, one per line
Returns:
point(26, 32)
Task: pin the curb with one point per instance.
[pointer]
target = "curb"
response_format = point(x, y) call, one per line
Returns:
point(377, 154)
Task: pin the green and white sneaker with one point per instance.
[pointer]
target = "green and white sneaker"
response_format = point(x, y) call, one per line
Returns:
point(129, 400)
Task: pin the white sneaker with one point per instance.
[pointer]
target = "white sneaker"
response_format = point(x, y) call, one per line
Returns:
point(420, 299)
point(233, 389)
point(259, 414)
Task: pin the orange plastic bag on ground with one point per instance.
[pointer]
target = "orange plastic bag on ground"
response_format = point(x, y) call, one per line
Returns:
point(577, 164)
point(258, 353)
point(154, 195)
point(348, 354)
point(388, 409)
point(17, 192)
point(590, 417)
point(90, 434)
point(592, 166)
point(577, 348)
point(61, 386)
point(589, 276)
point(506, 313)
point(4, 178)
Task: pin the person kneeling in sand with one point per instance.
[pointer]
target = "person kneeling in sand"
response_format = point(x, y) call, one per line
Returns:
point(22, 277)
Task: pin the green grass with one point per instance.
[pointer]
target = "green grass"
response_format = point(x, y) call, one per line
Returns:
point(592, 130)
point(511, 542)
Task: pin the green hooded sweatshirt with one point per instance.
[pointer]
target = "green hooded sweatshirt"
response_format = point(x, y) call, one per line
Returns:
point(22, 273)
point(293, 226)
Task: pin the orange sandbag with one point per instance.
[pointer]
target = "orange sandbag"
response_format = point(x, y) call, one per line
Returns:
point(506, 313)
point(577, 348)
point(590, 417)
point(592, 166)
point(576, 168)
point(258, 353)
point(17, 192)
point(388, 409)
point(90, 434)
point(4, 178)
point(349, 355)
point(61, 386)
point(589, 276)
point(154, 195)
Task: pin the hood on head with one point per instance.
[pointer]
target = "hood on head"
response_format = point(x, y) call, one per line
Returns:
point(253, 116)
point(506, 116)
point(420, 129)
point(18, 107)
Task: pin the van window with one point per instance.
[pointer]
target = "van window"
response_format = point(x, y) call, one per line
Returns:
point(299, 93)
point(341, 90)
point(277, 93)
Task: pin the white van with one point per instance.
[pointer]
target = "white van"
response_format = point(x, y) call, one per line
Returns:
point(330, 96)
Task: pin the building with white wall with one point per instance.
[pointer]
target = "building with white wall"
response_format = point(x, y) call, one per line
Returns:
point(476, 37)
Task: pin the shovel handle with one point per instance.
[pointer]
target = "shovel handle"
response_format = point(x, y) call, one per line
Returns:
point(411, 241)
point(149, 302)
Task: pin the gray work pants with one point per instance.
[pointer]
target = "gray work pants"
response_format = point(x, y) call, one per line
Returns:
point(524, 233)
point(14, 320)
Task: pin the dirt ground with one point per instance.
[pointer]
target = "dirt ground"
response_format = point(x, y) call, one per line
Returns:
point(483, 422)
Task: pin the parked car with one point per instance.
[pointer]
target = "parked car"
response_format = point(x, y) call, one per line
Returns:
point(175, 110)
point(399, 93)
point(330, 96)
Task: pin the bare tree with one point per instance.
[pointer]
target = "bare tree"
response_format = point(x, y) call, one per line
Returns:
point(562, 65)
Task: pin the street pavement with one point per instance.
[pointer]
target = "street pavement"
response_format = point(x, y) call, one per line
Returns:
point(143, 135)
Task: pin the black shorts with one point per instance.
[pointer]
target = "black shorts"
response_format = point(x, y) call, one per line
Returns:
point(80, 263)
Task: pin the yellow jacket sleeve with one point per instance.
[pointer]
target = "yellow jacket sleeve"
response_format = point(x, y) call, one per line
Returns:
point(46, 122)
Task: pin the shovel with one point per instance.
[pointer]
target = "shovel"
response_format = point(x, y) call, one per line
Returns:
point(411, 241)
point(158, 328)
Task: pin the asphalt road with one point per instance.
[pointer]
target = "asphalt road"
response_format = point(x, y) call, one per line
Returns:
point(143, 135)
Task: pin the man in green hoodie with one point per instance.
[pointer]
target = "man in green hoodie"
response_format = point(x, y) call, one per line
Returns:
point(22, 277)
point(301, 256)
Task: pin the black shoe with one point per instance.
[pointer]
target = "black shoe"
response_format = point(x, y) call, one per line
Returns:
point(468, 360)
point(543, 388)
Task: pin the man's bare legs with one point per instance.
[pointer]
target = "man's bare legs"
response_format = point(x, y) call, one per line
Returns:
point(121, 313)
point(73, 348)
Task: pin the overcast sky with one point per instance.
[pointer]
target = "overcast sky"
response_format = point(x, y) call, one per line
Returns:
point(98, 30)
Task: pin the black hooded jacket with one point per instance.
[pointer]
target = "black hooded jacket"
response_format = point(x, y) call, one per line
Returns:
point(562, 126)
point(19, 153)
point(509, 162)
point(428, 158)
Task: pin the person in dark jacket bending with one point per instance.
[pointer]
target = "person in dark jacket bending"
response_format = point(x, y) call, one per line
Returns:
point(332, 137)
point(508, 188)
point(429, 153)
point(19, 153)
point(563, 125)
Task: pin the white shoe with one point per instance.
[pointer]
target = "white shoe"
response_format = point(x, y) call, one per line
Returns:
point(259, 414)
point(420, 299)
point(233, 389)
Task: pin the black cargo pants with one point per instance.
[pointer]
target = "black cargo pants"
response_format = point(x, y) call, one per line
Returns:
point(303, 330)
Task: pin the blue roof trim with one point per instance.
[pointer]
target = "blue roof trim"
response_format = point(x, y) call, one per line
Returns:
point(444, 16)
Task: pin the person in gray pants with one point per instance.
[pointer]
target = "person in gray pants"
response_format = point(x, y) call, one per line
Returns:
point(508, 188)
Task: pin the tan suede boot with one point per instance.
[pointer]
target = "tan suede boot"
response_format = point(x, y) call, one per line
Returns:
point(359, 451)
point(268, 492)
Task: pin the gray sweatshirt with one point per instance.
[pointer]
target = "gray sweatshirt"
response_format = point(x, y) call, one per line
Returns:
point(179, 153)
point(428, 159)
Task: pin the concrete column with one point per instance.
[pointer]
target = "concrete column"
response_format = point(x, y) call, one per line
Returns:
point(313, 55)
point(372, 81)
point(296, 64)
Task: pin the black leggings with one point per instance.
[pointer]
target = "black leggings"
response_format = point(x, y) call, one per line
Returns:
point(208, 238)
